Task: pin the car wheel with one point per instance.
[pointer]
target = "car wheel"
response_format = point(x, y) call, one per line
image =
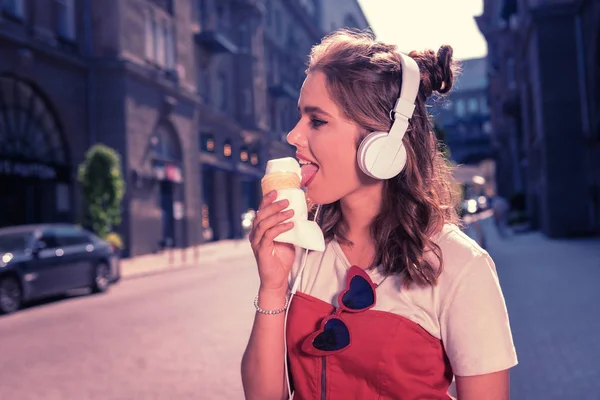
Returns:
point(102, 278)
point(11, 295)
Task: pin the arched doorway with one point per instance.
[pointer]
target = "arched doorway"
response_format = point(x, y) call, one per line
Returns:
point(34, 161)
point(167, 163)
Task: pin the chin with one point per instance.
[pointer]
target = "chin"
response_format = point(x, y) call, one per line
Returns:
point(319, 195)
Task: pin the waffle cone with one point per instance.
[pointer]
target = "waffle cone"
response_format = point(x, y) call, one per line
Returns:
point(280, 180)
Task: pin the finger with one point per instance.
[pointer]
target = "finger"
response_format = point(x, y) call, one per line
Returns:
point(270, 210)
point(268, 199)
point(270, 222)
point(275, 231)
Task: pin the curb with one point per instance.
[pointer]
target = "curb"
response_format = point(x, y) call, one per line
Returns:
point(208, 257)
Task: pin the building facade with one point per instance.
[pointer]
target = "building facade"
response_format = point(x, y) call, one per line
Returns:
point(342, 14)
point(544, 63)
point(252, 57)
point(80, 72)
point(463, 115)
point(196, 96)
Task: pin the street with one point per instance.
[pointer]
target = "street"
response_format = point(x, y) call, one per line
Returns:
point(181, 334)
point(551, 291)
point(176, 335)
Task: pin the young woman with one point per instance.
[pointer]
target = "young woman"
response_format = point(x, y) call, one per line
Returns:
point(400, 301)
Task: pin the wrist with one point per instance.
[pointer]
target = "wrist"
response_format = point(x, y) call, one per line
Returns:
point(272, 298)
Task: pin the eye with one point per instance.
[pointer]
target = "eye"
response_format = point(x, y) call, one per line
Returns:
point(316, 123)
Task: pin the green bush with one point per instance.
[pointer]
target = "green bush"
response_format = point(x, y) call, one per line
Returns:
point(102, 188)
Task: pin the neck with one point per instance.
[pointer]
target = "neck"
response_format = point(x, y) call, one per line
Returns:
point(359, 209)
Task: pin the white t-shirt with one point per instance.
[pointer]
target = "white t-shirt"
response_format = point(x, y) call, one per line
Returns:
point(465, 310)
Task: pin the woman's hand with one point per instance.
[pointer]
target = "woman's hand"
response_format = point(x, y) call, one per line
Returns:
point(274, 259)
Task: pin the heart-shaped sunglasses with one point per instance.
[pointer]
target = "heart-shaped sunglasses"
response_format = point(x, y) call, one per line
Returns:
point(333, 335)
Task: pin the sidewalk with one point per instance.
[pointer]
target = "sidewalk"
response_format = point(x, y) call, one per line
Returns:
point(552, 295)
point(175, 259)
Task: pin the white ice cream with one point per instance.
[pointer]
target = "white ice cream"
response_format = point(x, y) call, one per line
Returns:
point(306, 234)
point(287, 164)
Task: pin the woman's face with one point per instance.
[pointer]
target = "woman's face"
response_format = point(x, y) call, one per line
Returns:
point(328, 140)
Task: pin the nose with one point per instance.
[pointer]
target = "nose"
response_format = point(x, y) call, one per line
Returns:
point(296, 137)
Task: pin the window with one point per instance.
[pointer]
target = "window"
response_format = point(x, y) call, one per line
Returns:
point(15, 8)
point(350, 21)
point(160, 39)
point(48, 241)
point(222, 93)
point(244, 154)
point(204, 83)
point(203, 13)
point(222, 20)
point(309, 7)
point(487, 128)
point(14, 242)
point(160, 43)
point(460, 108)
point(473, 106)
point(254, 160)
point(292, 42)
point(207, 142)
point(484, 106)
point(269, 9)
point(227, 149)
point(244, 37)
point(70, 237)
point(510, 73)
point(149, 32)
point(278, 24)
point(247, 101)
point(65, 18)
point(166, 142)
point(169, 47)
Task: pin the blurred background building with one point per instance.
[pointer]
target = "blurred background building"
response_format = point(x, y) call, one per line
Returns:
point(462, 120)
point(544, 92)
point(194, 95)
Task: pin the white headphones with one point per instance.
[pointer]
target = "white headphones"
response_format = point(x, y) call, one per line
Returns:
point(382, 155)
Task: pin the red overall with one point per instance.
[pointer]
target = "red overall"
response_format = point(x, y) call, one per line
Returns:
point(389, 357)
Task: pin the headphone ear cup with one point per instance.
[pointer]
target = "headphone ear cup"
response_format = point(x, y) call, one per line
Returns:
point(380, 159)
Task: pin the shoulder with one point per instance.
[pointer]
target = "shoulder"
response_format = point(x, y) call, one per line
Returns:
point(461, 256)
point(473, 318)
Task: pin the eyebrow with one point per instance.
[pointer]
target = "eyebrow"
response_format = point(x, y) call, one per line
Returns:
point(314, 109)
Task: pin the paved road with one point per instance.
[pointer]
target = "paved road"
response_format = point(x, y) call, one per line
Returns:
point(552, 294)
point(180, 335)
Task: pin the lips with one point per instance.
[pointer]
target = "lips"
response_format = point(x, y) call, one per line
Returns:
point(309, 170)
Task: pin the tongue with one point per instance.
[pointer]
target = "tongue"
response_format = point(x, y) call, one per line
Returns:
point(308, 172)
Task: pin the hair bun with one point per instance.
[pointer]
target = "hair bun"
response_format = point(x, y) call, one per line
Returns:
point(437, 70)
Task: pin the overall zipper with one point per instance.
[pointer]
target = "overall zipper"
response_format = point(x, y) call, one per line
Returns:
point(323, 378)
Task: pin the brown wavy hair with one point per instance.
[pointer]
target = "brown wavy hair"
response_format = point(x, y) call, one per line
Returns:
point(364, 78)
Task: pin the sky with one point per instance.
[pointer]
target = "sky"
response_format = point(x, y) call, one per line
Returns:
point(421, 24)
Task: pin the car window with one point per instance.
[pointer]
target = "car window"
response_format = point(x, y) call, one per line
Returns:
point(71, 237)
point(49, 240)
point(13, 242)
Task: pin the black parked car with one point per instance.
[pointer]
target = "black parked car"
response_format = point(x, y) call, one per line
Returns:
point(43, 260)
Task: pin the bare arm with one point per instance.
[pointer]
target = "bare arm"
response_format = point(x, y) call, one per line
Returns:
point(494, 386)
point(263, 374)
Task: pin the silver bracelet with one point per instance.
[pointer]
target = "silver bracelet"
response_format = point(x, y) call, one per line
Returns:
point(271, 312)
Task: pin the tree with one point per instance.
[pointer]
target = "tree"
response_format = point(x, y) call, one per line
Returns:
point(102, 188)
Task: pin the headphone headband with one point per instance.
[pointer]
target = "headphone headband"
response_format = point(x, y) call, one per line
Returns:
point(411, 79)
point(382, 155)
